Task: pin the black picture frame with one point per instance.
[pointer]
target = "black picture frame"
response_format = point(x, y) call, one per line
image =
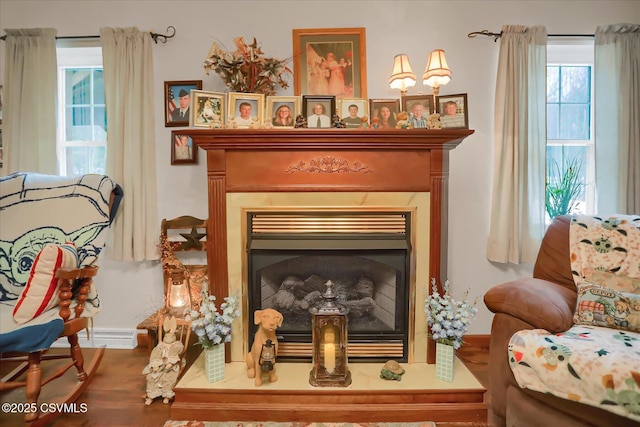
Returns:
point(461, 118)
point(328, 102)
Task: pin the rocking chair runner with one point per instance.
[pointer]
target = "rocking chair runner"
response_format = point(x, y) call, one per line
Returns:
point(40, 212)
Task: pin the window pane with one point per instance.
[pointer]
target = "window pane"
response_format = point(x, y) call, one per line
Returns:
point(575, 83)
point(78, 86)
point(566, 179)
point(574, 121)
point(81, 160)
point(98, 87)
point(553, 121)
point(100, 124)
point(553, 84)
point(78, 123)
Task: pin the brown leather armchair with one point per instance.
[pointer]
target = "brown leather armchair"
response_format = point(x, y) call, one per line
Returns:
point(544, 301)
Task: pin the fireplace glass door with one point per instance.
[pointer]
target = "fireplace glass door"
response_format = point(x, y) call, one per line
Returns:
point(369, 268)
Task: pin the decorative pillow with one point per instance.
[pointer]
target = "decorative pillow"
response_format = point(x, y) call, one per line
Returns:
point(41, 291)
point(600, 306)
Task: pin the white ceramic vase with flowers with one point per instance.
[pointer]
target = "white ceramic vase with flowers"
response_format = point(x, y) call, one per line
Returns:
point(448, 322)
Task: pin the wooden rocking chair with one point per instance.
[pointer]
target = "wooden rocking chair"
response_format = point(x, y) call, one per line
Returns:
point(92, 201)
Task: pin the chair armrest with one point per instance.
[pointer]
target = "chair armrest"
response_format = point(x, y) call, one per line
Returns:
point(543, 304)
point(67, 278)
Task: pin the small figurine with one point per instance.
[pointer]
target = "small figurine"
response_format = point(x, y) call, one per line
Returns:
point(403, 120)
point(301, 121)
point(364, 122)
point(392, 371)
point(165, 364)
point(336, 122)
point(433, 121)
point(268, 320)
point(375, 123)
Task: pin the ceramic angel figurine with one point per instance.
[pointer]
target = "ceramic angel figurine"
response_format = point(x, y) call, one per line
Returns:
point(164, 365)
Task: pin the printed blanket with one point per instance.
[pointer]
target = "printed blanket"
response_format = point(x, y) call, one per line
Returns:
point(588, 364)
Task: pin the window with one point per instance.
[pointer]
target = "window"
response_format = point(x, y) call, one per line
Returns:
point(82, 116)
point(570, 142)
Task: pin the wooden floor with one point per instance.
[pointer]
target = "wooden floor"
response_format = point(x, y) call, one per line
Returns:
point(116, 395)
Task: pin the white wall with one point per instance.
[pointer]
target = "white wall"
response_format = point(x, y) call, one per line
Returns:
point(131, 291)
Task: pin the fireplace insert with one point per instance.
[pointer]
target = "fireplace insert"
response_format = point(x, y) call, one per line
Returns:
point(292, 256)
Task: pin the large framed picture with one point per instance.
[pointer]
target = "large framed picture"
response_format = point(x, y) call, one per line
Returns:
point(245, 110)
point(383, 113)
point(183, 150)
point(318, 110)
point(354, 112)
point(419, 107)
point(177, 101)
point(207, 109)
point(282, 110)
point(453, 111)
point(330, 61)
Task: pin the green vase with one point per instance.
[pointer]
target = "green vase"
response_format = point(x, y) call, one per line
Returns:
point(214, 363)
point(445, 355)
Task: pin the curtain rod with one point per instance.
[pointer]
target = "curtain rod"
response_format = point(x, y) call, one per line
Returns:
point(496, 36)
point(171, 32)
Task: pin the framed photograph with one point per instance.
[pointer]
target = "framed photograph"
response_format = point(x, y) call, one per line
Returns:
point(330, 61)
point(383, 113)
point(318, 109)
point(282, 110)
point(177, 101)
point(353, 111)
point(245, 110)
point(419, 108)
point(183, 150)
point(453, 111)
point(207, 109)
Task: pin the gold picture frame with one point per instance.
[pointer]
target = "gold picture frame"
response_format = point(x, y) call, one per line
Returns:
point(330, 61)
point(361, 112)
point(207, 109)
point(238, 102)
point(275, 104)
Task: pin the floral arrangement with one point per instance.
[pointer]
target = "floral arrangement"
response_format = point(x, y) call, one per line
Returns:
point(247, 69)
point(210, 325)
point(448, 318)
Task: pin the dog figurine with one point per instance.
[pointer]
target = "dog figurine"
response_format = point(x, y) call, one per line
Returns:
point(268, 320)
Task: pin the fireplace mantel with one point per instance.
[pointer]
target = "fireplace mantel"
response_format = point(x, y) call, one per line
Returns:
point(332, 160)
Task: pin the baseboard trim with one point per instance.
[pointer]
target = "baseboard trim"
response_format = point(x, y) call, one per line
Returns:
point(108, 338)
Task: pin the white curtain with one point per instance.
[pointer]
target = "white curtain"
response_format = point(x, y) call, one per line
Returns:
point(517, 200)
point(131, 150)
point(617, 107)
point(29, 112)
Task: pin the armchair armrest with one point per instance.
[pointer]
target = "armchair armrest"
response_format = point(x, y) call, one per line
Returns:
point(543, 304)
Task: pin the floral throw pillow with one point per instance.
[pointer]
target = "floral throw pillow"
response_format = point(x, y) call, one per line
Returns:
point(601, 306)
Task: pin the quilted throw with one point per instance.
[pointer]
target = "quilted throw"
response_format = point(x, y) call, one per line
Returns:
point(605, 249)
point(38, 209)
point(597, 361)
point(592, 365)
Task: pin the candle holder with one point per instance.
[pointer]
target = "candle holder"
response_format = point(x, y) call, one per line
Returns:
point(329, 338)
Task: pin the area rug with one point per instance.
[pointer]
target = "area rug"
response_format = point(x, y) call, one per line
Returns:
point(298, 424)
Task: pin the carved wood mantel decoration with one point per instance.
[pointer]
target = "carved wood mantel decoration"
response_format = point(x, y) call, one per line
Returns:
point(314, 160)
point(329, 164)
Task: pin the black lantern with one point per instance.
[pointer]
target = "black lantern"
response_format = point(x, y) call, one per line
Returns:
point(329, 324)
point(267, 356)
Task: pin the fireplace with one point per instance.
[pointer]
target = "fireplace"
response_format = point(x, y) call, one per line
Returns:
point(251, 170)
point(365, 254)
